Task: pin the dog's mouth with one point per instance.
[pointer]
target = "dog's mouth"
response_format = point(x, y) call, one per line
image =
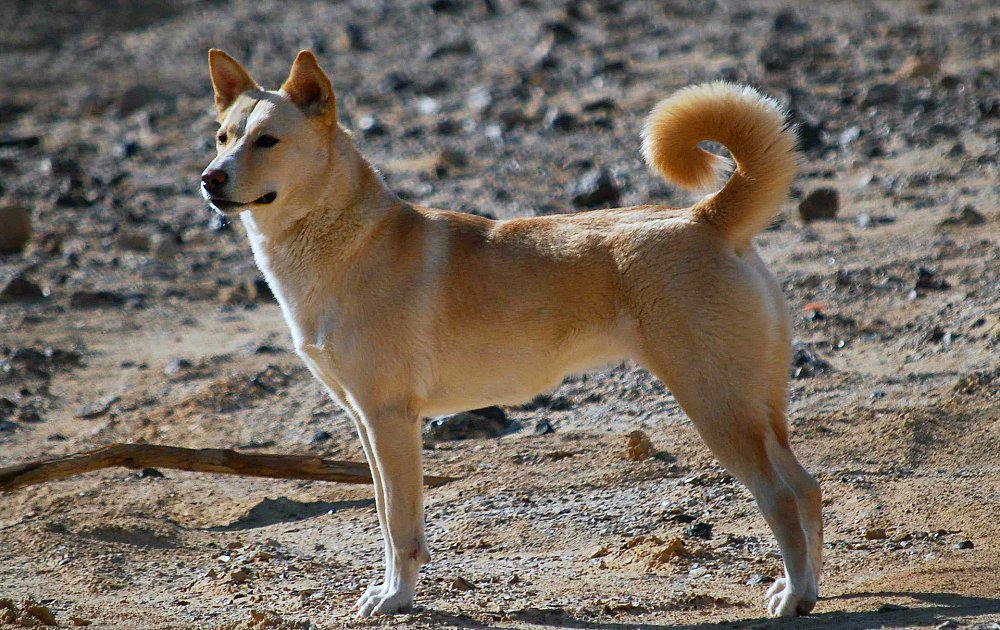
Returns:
point(226, 206)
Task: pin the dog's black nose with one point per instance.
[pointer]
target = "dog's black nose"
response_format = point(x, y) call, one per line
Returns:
point(214, 180)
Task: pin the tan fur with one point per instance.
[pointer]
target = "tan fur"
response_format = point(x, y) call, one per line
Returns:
point(404, 312)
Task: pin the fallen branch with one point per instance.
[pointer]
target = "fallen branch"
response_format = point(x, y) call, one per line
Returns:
point(213, 460)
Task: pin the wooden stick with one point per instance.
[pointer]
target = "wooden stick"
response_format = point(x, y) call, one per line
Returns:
point(214, 460)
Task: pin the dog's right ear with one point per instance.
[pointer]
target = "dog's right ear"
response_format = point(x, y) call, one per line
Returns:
point(229, 79)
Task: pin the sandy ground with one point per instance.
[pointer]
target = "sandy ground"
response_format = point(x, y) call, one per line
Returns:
point(499, 107)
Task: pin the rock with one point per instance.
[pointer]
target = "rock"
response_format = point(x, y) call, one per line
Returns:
point(543, 427)
point(638, 446)
point(461, 584)
point(150, 473)
point(30, 414)
point(132, 240)
point(929, 280)
point(177, 365)
point(561, 32)
point(806, 363)
point(884, 608)
point(20, 289)
point(559, 120)
point(6, 426)
point(699, 530)
point(808, 128)
point(97, 408)
point(7, 407)
point(96, 299)
point(139, 97)
point(820, 204)
point(42, 613)
point(164, 246)
point(478, 423)
point(876, 533)
point(319, 437)
point(79, 621)
point(15, 228)
point(788, 21)
point(758, 579)
point(968, 215)
point(354, 38)
point(965, 544)
point(916, 67)
point(371, 126)
point(880, 94)
point(458, 47)
point(239, 576)
point(594, 189)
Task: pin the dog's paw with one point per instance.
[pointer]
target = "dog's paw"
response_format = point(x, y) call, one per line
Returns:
point(379, 599)
point(782, 602)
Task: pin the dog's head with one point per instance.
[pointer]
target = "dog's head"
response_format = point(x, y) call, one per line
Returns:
point(274, 148)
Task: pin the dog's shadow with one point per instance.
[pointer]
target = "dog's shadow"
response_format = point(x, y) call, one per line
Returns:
point(941, 605)
point(284, 510)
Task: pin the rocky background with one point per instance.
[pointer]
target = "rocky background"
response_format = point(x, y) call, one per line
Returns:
point(129, 313)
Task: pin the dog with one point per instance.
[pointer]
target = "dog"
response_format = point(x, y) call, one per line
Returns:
point(404, 312)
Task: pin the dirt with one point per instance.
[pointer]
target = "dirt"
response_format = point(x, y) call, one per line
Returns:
point(132, 319)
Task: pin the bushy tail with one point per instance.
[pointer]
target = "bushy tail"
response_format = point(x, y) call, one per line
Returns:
point(747, 123)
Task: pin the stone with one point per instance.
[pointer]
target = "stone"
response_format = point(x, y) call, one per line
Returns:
point(594, 189)
point(15, 228)
point(461, 584)
point(132, 240)
point(96, 299)
point(699, 530)
point(164, 246)
point(820, 204)
point(543, 427)
point(638, 446)
point(876, 533)
point(916, 67)
point(965, 544)
point(880, 94)
point(928, 279)
point(97, 408)
point(139, 97)
point(20, 289)
point(479, 423)
point(968, 215)
point(177, 365)
point(806, 363)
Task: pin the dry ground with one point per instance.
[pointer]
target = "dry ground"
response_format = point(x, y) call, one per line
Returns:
point(499, 107)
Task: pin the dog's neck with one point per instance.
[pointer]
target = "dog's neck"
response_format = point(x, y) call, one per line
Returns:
point(344, 216)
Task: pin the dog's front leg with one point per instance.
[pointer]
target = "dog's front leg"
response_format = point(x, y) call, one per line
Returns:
point(394, 444)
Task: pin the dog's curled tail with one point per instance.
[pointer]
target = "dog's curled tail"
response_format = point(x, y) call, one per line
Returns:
point(747, 123)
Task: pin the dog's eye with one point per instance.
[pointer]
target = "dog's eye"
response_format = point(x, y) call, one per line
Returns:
point(266, 141)
point(222, 138)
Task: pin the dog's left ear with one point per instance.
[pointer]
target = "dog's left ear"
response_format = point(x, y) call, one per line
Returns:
point(309, 88)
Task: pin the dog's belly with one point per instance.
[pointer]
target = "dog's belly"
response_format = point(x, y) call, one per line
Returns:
point(510, 379)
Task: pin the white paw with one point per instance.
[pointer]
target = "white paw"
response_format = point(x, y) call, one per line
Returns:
point(782, 602)
point(380, 599)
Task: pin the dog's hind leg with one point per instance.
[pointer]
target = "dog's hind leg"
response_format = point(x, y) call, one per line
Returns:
point(731, 383)
point(394, 439)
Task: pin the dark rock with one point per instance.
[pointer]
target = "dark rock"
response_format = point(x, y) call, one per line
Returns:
point(177, 365)
point(370, 126)
point(758, 579)
point(354, 37)
point(806, 363)
point(19, 288)
point(30, 414)
point(96, 299)
point(880, 94)
point(928, 279)
point(544, 427)
point(820, 204)
point(7, 407)
point(6, 426)
point(459, 47)
point(319, 437)
point(445, 6)
point(808, 128)
point(561, 32)
point(965, 544)
point(150, 473)
point(271, 378)
point(968, 215)
point(478, 423)
point(97, 408)
point(989, 107)
point(139, 97)
point(15, 228)
point(699, 530)
point(596, 188)
point(559, 120)
point(788, 21)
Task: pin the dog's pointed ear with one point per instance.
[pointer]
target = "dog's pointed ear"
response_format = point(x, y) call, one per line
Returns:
point(229, 79)
point(309, 88)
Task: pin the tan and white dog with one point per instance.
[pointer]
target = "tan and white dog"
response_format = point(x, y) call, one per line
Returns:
point(404, 312)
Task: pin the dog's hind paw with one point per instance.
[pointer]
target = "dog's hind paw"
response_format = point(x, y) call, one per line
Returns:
point(380, 599)
point(782, 602)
